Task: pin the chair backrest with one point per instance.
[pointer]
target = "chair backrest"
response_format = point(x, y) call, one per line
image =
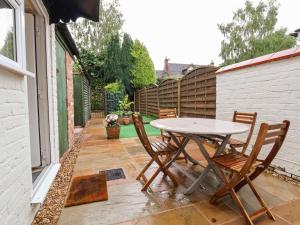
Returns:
point(247, 118)
point(167, 113)
point(140, 130)
point(268, 134)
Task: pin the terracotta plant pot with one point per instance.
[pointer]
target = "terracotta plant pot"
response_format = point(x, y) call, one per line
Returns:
point(113, 132)
point(120, 120)
point(126, 120)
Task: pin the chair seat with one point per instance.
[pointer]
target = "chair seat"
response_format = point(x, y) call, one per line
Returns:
point(236, 142)
point(232, 141)
point(163, 148)
point(167, 135)
point(233, 161)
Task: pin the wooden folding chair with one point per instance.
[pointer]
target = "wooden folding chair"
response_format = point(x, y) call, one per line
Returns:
point(247, 118)
point(170, 113)
point(241, 117)
point(164, 114)
point(157, 151)
point(243, 167)
point(266, 162)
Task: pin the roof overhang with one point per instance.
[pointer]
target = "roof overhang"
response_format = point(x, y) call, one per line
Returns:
point(66, 10)
point(66, 38)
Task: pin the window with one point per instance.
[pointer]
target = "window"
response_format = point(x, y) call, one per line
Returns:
point(7, 31)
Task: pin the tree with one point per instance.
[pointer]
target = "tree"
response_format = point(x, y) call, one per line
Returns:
point(142, 72)
point(93, 65)
point(95, 36)
point(8, 46)
point(126, 62)
point(252, 33)
point(112, 66)
point(92, 40)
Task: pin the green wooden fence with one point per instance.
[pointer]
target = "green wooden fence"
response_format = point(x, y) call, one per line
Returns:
point(112, 101)
point(82, 99)
point(61, 99)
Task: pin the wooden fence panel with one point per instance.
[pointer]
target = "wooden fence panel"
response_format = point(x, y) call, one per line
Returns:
point(198, 93)
point(193, 96)
point(152, 100)
point(143, 101)
point(137, 101)
point(168, 94)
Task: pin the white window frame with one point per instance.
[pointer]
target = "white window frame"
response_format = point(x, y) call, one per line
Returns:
point(18, 65)
point(41, 187)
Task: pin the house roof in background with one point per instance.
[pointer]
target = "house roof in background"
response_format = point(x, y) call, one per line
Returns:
point(177, 68)
point(66, 10)
point(159, 72)
point(285, 54)
point(187, 70)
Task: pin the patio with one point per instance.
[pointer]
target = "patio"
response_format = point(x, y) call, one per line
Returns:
point(127, 205)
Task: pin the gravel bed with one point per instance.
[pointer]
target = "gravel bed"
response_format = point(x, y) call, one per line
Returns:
point(51, 209)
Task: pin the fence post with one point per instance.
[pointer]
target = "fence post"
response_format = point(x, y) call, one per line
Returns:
point(157, 97)
point(178, 98)
point(134, 100)
point(105, 102)
point(146, 100)
point(139, 101)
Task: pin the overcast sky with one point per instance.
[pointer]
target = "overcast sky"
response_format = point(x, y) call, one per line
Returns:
point(186, 31)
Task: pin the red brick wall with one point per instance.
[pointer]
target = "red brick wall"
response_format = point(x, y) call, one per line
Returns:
point(70, 98)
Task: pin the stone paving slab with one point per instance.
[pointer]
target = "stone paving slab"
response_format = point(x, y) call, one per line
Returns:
point(162, 204)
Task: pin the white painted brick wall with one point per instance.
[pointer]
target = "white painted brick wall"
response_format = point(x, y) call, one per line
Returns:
point(15, 166)
point(273, 91)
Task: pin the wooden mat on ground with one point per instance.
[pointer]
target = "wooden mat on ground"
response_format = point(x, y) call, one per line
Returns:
point(87, 189)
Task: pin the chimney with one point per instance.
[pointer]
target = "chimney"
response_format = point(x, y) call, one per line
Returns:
point(166, 66)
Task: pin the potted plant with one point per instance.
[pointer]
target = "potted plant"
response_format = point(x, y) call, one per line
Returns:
point(119, 113)
point(126, 118)
point(125, 106)
point(112, 126)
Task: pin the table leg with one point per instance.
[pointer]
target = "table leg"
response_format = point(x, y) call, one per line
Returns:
point(210, 165)
point(179, 151)
point(182, 148)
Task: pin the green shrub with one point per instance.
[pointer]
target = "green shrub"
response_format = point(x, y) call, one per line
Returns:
point(119, 112)
point(125, 106)
point(113, 87)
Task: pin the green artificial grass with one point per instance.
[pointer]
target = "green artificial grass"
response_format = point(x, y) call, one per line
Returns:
point(128, 131)
point(148, 119)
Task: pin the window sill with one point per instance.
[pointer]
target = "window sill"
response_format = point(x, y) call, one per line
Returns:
point(42, 187)
point(15, 69)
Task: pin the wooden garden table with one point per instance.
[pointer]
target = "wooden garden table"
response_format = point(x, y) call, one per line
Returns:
point(199, 130)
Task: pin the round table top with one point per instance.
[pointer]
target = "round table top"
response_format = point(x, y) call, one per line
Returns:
point(200, 126)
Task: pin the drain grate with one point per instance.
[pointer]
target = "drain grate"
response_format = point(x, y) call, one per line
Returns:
point(115, 174)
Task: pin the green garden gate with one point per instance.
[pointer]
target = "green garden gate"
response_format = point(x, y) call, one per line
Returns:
point(82, 100)
point(62, 98)
point(112, 101)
